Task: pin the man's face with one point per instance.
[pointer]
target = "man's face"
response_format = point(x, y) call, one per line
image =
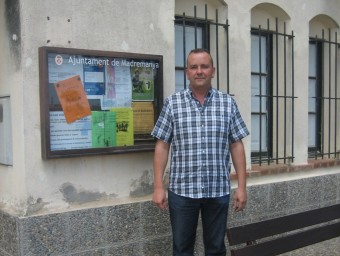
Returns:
point(200, 70)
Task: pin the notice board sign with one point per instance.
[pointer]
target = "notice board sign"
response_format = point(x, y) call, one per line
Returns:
point(98, 102)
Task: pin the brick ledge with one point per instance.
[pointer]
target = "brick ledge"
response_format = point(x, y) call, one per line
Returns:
point(263, 170)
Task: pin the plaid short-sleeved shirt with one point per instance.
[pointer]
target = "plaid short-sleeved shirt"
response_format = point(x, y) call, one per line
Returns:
point(200, 138)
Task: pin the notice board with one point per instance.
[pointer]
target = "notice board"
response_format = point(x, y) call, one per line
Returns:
point(98, 102)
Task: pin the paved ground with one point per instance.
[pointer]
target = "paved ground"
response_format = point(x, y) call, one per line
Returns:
point(327, 248)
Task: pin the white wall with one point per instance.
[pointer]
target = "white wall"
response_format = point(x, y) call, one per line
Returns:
point(125, 26)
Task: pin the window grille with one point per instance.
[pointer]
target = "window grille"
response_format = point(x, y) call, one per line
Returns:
point(272, 95)
point(324, 129)
point(196, 32)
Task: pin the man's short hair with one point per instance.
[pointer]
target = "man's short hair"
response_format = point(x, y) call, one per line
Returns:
point(201, 50)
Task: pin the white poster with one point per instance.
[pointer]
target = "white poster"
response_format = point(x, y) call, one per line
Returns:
point(76, 135)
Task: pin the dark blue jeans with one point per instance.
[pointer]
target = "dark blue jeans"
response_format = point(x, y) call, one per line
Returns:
point(184, 215)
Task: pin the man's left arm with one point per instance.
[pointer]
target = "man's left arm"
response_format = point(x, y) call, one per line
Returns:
point(239, 161)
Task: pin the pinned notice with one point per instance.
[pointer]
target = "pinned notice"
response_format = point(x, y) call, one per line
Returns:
point(73, 98)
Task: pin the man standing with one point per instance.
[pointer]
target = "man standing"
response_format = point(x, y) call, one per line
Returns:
point(203, 127)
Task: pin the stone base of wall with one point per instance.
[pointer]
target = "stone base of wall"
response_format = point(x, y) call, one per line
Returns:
point(142, 229)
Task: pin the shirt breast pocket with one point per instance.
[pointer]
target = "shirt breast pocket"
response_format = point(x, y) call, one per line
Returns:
point(182, 126)
point(220, 126)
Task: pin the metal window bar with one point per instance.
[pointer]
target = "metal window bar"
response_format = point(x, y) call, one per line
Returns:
point(260, 71)
point(330, 100)
point(336, 93)
point(281, 154)
point(184, 20)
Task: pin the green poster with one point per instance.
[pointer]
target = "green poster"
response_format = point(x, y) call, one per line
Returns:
point(142, 83)
point(103, 129)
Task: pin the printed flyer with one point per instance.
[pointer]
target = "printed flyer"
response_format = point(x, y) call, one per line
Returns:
point(143, 117)
point(76, 135)
point(72, 98)
point(103, 129)
point(142, 83)
point(124, 126)
point(118, 88)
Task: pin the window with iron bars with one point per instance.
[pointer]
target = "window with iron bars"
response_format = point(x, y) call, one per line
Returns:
point(197, 32)
point(323, 107)
point(189, 34)
point(272, 101)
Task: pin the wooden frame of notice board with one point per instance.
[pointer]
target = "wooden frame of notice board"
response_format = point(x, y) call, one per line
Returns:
point(98, 102)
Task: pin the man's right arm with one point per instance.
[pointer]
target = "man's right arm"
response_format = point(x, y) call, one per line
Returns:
point(159, 165)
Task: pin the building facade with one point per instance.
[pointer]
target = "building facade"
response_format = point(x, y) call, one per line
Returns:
point(279, 59)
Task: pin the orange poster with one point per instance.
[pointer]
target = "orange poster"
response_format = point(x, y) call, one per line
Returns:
point(73, 98)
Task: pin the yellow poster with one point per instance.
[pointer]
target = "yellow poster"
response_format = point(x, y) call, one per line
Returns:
point(143, 117)
point(124, 126)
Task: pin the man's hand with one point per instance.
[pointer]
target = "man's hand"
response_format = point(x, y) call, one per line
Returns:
point(159, 198)
point(159, 164)
point(239, 161)
point(240, 199)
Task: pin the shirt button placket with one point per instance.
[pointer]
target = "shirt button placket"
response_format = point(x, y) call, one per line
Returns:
point(203, 155)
